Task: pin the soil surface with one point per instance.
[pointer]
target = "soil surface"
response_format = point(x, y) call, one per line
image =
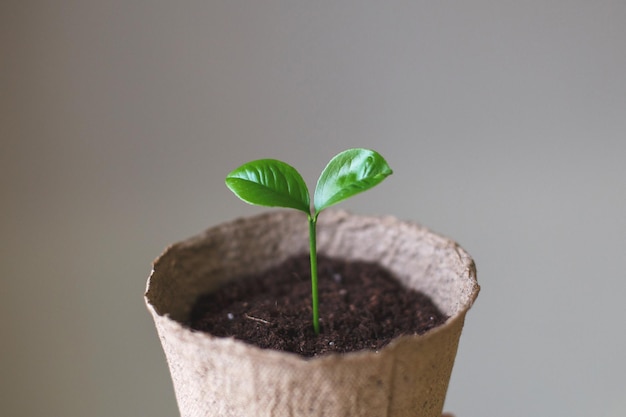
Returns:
point(362, 306)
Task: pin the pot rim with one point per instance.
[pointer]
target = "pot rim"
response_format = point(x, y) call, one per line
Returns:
point(243, 348)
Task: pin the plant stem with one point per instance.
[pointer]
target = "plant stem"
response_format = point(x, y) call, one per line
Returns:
point(313, 257)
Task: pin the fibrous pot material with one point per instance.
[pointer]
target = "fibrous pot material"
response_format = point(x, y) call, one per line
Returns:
point(228, 378)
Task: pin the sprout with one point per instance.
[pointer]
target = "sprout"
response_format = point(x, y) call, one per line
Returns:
point(273, 183)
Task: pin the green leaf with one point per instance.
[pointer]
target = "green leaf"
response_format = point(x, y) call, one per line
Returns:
point(349, 173)
point(268, 182)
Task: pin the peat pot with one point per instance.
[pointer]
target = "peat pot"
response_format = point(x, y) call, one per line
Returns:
point(223, 377)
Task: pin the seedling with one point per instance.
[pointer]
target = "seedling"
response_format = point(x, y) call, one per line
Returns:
point(273, 183)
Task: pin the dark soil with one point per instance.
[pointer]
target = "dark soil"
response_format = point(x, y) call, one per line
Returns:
point(362, 306)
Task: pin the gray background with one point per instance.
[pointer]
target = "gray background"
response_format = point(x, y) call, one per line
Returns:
point(504, 122)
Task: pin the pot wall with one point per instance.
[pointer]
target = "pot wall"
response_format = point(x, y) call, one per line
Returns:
point(223, 377)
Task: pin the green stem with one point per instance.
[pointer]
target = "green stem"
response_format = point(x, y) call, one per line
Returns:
point(313, 256)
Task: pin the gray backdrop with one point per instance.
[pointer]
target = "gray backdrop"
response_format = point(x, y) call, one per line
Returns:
point(504, 122)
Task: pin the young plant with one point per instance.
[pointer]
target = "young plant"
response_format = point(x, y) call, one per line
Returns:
point(272, 183)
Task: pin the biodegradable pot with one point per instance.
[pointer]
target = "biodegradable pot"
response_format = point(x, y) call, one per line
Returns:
point(225, 377)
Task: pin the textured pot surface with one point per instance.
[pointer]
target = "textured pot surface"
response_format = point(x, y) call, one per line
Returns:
point(224, 377)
